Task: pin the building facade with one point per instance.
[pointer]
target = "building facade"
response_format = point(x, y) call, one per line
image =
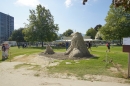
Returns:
point(6, 26)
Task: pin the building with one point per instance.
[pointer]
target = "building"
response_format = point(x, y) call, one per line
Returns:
point(6, 26)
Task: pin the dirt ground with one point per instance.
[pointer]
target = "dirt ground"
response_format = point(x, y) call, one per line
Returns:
point(27, 75)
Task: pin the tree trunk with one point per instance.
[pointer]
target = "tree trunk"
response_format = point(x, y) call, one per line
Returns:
point(120, 41)
point(77, 47)
point(42, 43)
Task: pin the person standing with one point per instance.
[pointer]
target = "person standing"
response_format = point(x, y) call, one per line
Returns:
point(3, 52)
point(66, 45)
point(108, 46)
point(18, 44)
point(89, 45)
point(7, 50)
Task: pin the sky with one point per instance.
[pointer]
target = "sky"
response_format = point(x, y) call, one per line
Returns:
point(68, 14)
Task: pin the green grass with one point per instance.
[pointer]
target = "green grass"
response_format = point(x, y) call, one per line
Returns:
point(95, 66)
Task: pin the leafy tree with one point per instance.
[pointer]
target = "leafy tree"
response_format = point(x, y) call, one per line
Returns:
point(98, 34)
point(41, 26)
point(116, 3)
point(117, 24)
point(97, 27)
point(67, 32)
point(91, 32)
point(17, 35)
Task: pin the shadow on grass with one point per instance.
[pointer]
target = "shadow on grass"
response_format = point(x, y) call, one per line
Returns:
point(96, 57)
point(3, 60)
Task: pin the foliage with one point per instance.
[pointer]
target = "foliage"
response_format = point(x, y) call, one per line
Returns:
point(67, 32)
point(124, 3)
point(84, 1)
point(17, 35)
point(98, 35)
point(117, 24)
point(97, 27)
point(91, 32)
point(41, 26)
point(116, 3)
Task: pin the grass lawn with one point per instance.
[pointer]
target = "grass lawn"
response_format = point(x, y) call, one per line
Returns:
point(95, 66)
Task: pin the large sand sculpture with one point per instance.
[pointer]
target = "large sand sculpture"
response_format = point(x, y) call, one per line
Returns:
point(77, 47)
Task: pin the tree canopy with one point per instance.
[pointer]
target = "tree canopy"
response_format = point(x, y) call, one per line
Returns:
point(91, 32)
point(41, 26)
point(67, 32)
point(97, 27)
point(116, 3)
point(117, 24)
point(17, 35)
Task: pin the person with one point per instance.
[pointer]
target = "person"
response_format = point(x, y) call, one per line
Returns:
point(3, 52)
point(66, 45)
point(7, 50)
point(18, 45)
point(23, 45)
point(108, 46)
point(89, 45)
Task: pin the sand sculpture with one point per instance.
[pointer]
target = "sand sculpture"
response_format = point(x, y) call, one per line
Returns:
point(49, 50)
point(77, 47)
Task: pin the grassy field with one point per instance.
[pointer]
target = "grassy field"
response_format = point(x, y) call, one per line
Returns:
point(95, 66)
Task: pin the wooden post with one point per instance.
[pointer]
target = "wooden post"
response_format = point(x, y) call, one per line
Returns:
point(129, 65)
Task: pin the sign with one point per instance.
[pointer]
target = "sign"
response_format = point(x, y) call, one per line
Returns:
point(126, 41)
point(126, 45)
point(126, 48)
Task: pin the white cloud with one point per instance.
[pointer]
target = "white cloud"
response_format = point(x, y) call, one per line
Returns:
point(68, 3)
point(30, 3)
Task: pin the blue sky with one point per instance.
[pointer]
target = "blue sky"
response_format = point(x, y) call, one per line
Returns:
point(69, 14)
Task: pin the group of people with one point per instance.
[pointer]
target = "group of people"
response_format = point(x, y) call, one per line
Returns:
point(23, 45)
point(89, 45)
point(5, 50)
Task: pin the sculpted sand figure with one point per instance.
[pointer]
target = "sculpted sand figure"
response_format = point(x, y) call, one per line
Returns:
point(77, 47)
point(49, 50)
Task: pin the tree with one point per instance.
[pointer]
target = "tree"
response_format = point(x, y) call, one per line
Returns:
point(124, 3)
point(68, 32)
point(91, 32)
point(116, 3)
point(17, 35)
point(41, 26)
point(97, 27)
point(117, 24)
point(98, 34)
